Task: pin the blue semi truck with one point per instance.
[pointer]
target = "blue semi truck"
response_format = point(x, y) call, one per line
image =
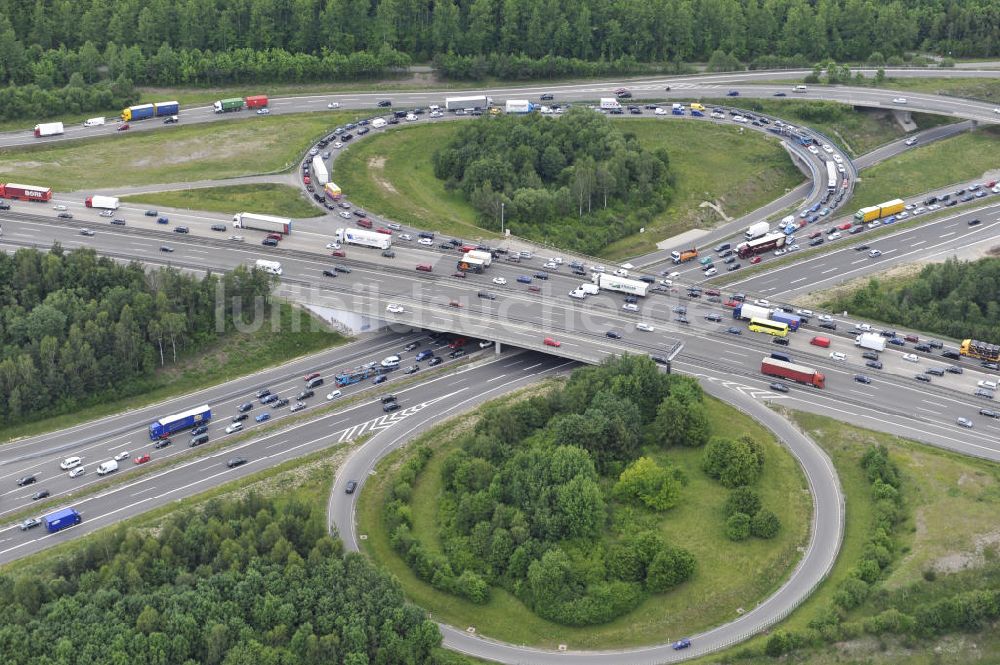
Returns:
point(164, 427)
point(61, 519)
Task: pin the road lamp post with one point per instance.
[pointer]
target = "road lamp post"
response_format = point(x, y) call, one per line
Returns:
point(501, 218)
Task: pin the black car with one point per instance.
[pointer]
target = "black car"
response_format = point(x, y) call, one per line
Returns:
point(435, 361)
point(267, 399)
point(925, 348)
point(547, 97)
point(874, 364)
point(389, 254)
point(240, 417)
point(236, 461)
point(305, 394)
point(613, 334)
point(280, 403)
point(444, 245)
point(343, 269)
point(975, 222)
point(422, 234)
point(955, 369)
point(350, 487)
point(815, 242)
point(659, 360)
point(829, 325)
point(454, 242)
point(457, 353)
point(733, 330)
point(862, 378)
point(390, 407)
point(486, 295)
point(384, 103)
point(329, 273)
point(346, 137)
point(219, 227)
point(118, 221)
point(782, 341)
point(26, 480)
point(269, 242)
point(923, 377)
point(199, 430)
point(40, 494)
point(243, 408)
point(385, 399)
point(162, 443)
point(181, 229)
point(412, 369)
point(735, 266)
point(869, 355)
point(681, 319)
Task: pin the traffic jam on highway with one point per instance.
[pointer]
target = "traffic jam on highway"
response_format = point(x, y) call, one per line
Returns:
point(202, 424)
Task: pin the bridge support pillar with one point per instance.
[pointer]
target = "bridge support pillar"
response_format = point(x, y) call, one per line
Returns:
point(496, 348)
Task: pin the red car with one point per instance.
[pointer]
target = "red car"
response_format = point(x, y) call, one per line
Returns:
point(454, 303)
point(123, 127)
point(364, 223)
point(755, 259)
point(535, 289)
point(731, 303)
point(275, 236)
point(309, 377)
point(712, 292)
point(338, 252)
point(548, 341)
point(844, 226)
point(424, 267)
point(142, 459)
point(815, 234)
point(458, 274)
point(383, 230)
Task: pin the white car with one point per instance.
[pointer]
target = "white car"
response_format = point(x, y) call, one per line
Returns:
point(739, 118)
point(344, 214)
point(405, 236)
point(899, 100)
point(813, 149)
point(996, 111)
point(425, 241)
point(902, 215)
point(828, 148)
point(334, 395)
point(996, 189)
point(70, 462)
point(391, 361)
point(236, 238)
point(499, 280)
point(333, 105)
point(78, 471)
point(59, 207)
point(338, 145)
point(804, 312)
point(863, 327)
point(837, 158)
point(395, 309)
point(874, 224)
point(911, 357)
point(711, 271)
point(760, 302)
point(551, 265)
point(779, 252)
point(674, 275)
point(410, 117)
point(630, 307)
point(485, 344)
point(333, 245)
point(841, 169)
point(645, 327)
point(234, 427)
point(122, 455)
point(659, 111)
point(911, 141)
point(263, 111)
point(839, 356)
point(596, 268)
point(791, 248)
point(825, 317)
point(919, 211)
point(556, 259)
point(874, 253)
point(834, 236)
point(621, 272)
point(667, 282)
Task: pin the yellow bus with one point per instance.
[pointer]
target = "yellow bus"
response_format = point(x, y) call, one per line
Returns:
point(770, 327)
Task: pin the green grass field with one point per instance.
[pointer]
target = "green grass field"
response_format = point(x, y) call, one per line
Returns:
point(181, 153)
point(956, 159)
point(233, 356)
point(729, 575)
point(952, 502)
point(393, 175)
point(267, 199)
point(972, 88)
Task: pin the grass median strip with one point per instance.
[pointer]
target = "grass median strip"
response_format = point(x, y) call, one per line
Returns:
point(264, 198)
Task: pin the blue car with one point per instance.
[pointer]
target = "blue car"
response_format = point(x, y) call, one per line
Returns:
point(897, 341)
point(812, 218)
point(697, 114)
point(262, 417)
point(889, 220)
point(162, 220)
point(379, 379)
point(524, 279)
point(815, 207)
point(681, 644)
point(423, 355)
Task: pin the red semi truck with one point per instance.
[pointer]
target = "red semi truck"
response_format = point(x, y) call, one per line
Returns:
point(787, 370)
point(25, 192)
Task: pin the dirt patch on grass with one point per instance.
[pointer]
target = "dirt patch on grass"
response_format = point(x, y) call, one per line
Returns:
point(954, 562)
point(376, 165)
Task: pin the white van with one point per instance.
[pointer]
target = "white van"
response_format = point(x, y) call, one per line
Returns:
point(378, 123)
point(272, 267)
point(107, 467)
point(578, 294)
point(989, 385)
point(391, 361)
point(93, 122)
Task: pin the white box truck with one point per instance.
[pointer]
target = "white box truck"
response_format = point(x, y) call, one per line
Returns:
point(106, 202)
point(485, 257)
point(609, 103)
point(757, 230)
point(590, 289)
point(473, 102)
point(271, 267)
point(107, 467)
point(319, 173)
point(364, 238)
point(48, 129)
point(870, 341)
point(519, 106)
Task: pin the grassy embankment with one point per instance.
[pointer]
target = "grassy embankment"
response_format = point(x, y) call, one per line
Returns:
point(267, 199)
point(951, 529)
point(393, 175)
point(180, 154)
point(729, 575)
point(234, 355)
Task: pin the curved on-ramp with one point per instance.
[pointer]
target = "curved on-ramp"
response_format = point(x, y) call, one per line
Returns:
point(826, 534)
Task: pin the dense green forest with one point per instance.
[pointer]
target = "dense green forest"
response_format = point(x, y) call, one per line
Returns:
point(954, 298)
point(77, 329)
point(551, 498)
point(212, 42)
point(248, 582)
point(580, 183)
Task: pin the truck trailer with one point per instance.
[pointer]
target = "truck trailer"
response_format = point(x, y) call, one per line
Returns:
point(474, 102)
point(613, 283)
point(320, 175)
point(757, 230)
point(48, 129)
point(871, 341)
point(746, 311)
point(519, 106)
point(787, 370)
point(106, 202)
point(161, 109)
point(980, 350)
point(872, 213)
point(364, 238)
point(11, 190)
point(251, 220)
point(61, 519)
point(684, 255)
point(167, 425)
point(793, 321)
point(760, 245)
point(256, 101)
point(485, 257)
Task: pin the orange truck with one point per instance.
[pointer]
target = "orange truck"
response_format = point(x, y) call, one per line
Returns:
point(684, 255)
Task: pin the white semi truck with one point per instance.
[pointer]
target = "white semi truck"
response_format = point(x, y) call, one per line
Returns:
point(614, 283)
point(250, 220)
point(364, 238)
point(319, 173)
